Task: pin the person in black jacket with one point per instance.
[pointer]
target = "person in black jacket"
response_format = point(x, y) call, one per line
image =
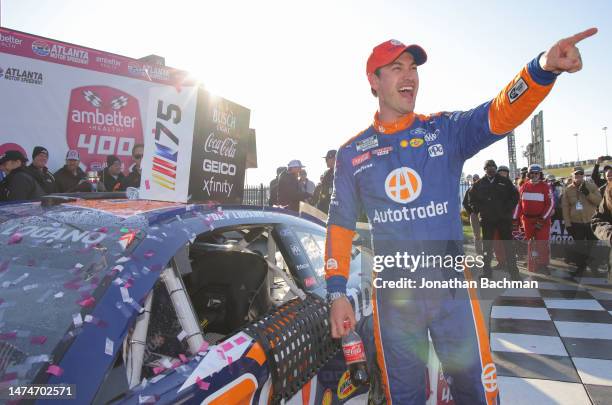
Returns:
point(596, 176)
point(274, 187)
point(494, 197)
point(289, 192)
point(19, 183)
point(327, 182)
point(112, 176)
point(601, 223)
point(133, 179)
point(473, 215)
point(38, 169)
point(68, 178)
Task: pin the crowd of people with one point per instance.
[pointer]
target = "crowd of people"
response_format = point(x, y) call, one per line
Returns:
point(20, 181)
point(498, 208)
point(292, 185)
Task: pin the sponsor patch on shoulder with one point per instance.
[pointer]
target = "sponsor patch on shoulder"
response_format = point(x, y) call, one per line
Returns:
point(363, 168)
point(418, 131)
point(382, 151)
point(435, 150)
point(517, 90)
point(367, 143)
point(416, 142)
point(361, 158)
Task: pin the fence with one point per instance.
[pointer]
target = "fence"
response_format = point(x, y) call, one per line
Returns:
point(256, 195)
point(259, 195)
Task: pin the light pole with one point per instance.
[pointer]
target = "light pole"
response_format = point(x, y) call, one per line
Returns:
point(549, 154)
point(577, 154)
point(605, 129)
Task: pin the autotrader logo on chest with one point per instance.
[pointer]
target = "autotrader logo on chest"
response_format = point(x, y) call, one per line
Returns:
point(403, 185)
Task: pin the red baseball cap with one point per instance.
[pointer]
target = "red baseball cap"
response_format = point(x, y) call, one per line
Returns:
point(390, 50)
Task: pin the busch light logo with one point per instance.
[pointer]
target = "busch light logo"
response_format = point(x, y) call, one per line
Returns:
point(225, 119)
point(41, 48)
point(103, 121)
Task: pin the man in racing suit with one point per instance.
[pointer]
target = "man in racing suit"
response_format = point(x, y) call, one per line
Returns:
point(404, 172)
point(534, 210)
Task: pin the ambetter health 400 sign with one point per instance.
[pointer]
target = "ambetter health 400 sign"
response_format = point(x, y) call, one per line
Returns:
point(63, 96)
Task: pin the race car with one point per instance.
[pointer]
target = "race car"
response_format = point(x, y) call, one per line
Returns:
point(134, 301)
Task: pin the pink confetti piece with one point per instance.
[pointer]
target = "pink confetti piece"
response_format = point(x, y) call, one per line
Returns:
point(8, 335)
point(9, 377)
point(158, 370)
point(15, 238)
point(1, 301)
point(227, 346)
point(203, 385)
point(204, 347)
point(183, 358)
point(147, 184)
point(4, 266)
point(38, 340)
point(129, 283)
point(176, 363)
point(102, 230)
point(149, 254)
point(55, 370)
point(240, 340)
point(221, 353)
point(87, 302)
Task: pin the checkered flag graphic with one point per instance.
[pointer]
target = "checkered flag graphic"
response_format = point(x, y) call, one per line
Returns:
point(92, 98)
point(119, 102)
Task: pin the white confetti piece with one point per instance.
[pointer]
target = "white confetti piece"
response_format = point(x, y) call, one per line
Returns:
point(125, 294)
point(118, 268)
point(88, 318)
point(59, 295)
point(77, 320)
point(181, 336)
point(108, 349)
point(78, 266)
point(157, 378)
point(165, 362)
point(122, 260)
point(44, 297)
point(30, 287)
point(37, 359)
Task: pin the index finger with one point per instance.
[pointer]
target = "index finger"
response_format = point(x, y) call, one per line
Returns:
point(574, 39)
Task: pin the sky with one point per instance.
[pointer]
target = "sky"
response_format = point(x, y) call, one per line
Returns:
point(300, 66)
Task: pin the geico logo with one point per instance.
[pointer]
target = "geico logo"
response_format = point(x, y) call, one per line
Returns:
point(403, 185)
point(219, 167)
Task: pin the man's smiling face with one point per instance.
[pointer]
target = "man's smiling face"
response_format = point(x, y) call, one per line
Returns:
point(396, 85)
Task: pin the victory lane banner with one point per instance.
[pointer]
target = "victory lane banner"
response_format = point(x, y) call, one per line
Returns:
point(64, 96)
point(195, 147)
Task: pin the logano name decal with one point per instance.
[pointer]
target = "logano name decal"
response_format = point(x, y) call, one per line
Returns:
point(55, 233)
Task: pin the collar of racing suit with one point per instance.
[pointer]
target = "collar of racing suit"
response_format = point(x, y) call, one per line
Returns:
point(395, 126)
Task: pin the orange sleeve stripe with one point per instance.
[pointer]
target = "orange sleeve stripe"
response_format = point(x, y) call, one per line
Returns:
point(504, 115)
point(338, 247)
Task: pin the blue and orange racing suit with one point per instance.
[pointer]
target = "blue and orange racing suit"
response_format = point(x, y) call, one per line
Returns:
point(405, 176)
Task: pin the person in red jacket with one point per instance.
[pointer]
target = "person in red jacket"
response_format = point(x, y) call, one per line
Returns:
point(534, 210)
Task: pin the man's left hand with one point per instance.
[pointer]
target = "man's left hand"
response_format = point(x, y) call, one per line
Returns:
point(564, 56)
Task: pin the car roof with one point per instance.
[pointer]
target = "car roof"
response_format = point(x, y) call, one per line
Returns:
point(156, 211)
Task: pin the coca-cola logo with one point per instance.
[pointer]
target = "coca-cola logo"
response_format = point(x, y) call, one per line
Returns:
point(353, 352)
point(103, 121)
point(225, 119)
point(224, 147)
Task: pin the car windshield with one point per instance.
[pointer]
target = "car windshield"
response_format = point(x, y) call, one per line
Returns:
point(51, 264)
